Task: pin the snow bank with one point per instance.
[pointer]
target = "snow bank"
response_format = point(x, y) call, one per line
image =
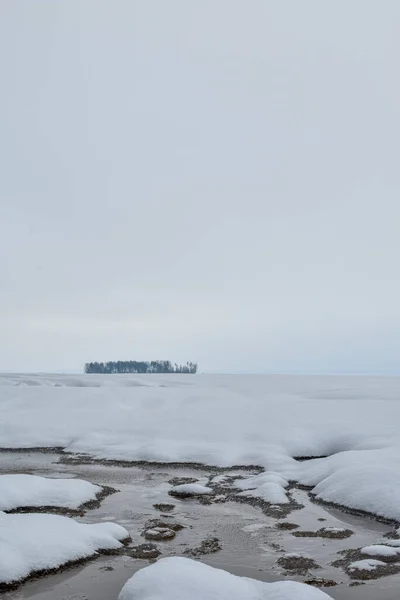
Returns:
point(224, 421)
point(182, 578)
point(19, 491)
point(33, 542)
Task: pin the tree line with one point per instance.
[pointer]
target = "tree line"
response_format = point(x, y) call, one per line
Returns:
point(133, 366)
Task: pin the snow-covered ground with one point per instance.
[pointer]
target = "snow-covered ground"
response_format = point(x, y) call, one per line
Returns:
point(181, 578)
point(21, 491)
point(224, 420)
point(36, 542)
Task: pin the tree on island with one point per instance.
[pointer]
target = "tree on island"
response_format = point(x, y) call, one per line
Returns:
point(133, 366)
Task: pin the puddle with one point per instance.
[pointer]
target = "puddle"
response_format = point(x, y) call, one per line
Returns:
point(251, 542)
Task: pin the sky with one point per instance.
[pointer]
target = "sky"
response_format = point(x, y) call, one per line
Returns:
point(214, 180)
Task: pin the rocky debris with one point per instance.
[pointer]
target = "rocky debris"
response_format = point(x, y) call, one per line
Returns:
point(182, 480)
point(320, 582)
point(207, 546)
point(334, 533)
point(296, 563)
point(362, 565)
point(164, 507)
point(159, 533)
point(144, 551)
point(163, 524)
point(191, 490)
point(286, 526)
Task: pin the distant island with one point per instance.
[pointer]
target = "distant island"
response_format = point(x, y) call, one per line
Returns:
point(133, 366)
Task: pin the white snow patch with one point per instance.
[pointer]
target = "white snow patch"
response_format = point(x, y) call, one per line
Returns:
point(192, 489)
point(181, 578)
point(252, 483)
point(270, 492)
point(395, 543)
point(369, 564)
point(33, 542)
point(381, 550)
point(19, 491)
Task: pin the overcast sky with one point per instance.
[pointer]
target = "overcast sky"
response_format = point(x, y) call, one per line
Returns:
point(210, 180)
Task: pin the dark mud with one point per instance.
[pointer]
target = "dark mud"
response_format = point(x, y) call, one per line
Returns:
point(182, 480)
point(144, 551)
point(391, 566)
point(297, 564)
point(163, 524)
point(325, 533)
point(319, 582)
point(164, 507)
point(69, 458)
point(208, 546)
point(286, 526)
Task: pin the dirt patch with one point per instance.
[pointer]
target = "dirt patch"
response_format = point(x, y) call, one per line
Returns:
point(297, 564)
point(276, 511)
point(164, 507)
point(144, 551)
point(202, 498)
point(159, 534)
point(208, 546)
point(159, 523)
point(69, 512)
point(325, 532)
point(320, 582)
point(182, 480)
point(286, 526)
point(84, 459)
point(390, 566)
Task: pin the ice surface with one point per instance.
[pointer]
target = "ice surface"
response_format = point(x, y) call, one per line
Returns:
point(183, 579)
point(224, 421)
point(33, 542)
point(30, 490)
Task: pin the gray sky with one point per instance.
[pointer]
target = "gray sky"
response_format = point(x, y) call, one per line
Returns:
point(211, 180)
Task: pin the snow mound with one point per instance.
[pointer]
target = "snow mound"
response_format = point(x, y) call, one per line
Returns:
point(269, 492)
point(182, 579)
point(190, 489)
point(369, 564)
point(36, 542)
point(21, 491)
point(252, 483)
point(381, 550)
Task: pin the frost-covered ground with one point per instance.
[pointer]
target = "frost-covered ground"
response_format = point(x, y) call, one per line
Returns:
point(224, 420)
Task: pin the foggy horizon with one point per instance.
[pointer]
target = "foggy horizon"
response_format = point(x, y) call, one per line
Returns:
point(214, 182)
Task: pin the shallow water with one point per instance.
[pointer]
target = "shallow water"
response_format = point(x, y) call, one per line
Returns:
point(251, 542)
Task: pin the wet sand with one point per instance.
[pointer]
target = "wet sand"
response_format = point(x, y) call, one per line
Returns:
point(251, 543)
